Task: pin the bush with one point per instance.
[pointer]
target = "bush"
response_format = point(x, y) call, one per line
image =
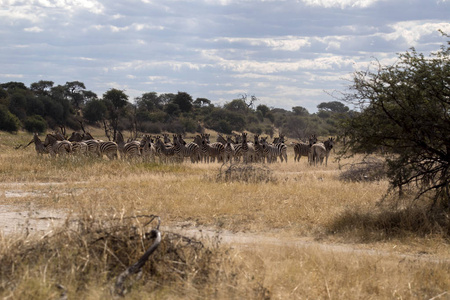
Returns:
point(35, 124)
point(370, 169)
point(8, 121)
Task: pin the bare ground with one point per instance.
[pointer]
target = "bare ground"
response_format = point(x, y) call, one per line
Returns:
point(28, 219)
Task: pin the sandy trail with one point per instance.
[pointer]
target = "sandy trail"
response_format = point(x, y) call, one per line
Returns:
point(20, 218)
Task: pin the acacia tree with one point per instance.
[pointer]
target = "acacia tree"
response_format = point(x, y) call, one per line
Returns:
point(405, 108)
point(116, 102)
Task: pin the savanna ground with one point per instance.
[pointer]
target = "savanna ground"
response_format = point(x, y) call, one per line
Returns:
point(279, 231)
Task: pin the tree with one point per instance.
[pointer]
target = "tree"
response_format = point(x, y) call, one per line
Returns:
point(237, 105)
point(42, 87)
point(94, 111)
point(75, 93)
point(116, 101)
point(405, 108)
point(8, 121)
point(184, 101)
point(300, 111)
point(201, 102)
point(149, 102)
point(264, 109)
point(333, 106)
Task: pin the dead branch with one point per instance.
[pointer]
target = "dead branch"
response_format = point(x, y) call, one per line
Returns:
point(137, 267)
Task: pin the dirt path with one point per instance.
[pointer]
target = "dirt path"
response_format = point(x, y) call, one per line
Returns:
point(16, 218)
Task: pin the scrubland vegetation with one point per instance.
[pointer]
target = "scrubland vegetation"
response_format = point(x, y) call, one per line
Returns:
point(293, 231)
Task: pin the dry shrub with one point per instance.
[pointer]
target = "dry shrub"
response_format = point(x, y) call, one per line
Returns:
point(370, 169)
point(83, 258)
point(387, 222)
point(249, 173)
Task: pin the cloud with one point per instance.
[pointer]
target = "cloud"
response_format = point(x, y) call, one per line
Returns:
point(341, 3)
point(33, 29)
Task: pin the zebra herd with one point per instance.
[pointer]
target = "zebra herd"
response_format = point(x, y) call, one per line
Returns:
point(224, 150)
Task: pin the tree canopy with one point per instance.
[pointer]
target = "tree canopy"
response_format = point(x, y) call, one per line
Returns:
point(405, 110)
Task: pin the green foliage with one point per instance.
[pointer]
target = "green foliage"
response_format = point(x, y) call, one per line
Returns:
point(35, 124)
point(94, 111)
point(8, 121)
point(405, 111)
point(184, 101)
point(333, 106)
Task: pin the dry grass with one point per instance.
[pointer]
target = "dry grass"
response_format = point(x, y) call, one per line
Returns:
point(292, 202)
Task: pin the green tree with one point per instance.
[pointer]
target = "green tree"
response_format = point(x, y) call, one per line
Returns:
point(184, 101)
point(94, 111)
point(149, 102)
point(300, 111)
point(116, 101)
point(264, 109)
point(333, 106)
point(8, 121)
point(35, 123)
point(201, 102)
point(405, 108)
point(42, 87)
point(236, 105)
point(75, 94)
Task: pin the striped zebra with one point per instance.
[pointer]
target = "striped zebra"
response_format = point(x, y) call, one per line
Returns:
point(329, 144)
point(321, 150)
point(93, 147)
point(221, 139)
point(165, 151)
point(190, 150)
point(203, 143)
point(271, 152)
point(38, 145)
point(109, 148)
point(318, 152)
point(80, 148)
point(57, 147)
point(75, 137)
point(244, 147)
point(258, 149)
point(147, 148)
point(229, 151)
point(304, 149)
point(129, 149)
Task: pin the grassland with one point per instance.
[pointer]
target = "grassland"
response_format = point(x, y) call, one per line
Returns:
point(289, 232)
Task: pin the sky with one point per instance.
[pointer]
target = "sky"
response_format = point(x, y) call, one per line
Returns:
point(286, 53)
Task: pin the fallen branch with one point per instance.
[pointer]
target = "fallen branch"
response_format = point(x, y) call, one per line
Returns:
point(137, 267)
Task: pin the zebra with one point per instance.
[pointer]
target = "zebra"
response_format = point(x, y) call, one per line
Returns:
point(329, 144)
point(93, 147)
point(273, 151)
point(57, 147)
point(129, 149)
point(38, 145)
point(163, 149)
point(228, 151)
point(79, 148)
point(147, 148)
point(318, 152)
point(304, 149)
point(108, 148)
point(190, 150)
point(221, 139)
point(258, 149)
point(244, 147)
point(204, 147)
point(75, 137)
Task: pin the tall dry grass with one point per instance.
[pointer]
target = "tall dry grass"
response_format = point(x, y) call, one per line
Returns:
point(387, 251)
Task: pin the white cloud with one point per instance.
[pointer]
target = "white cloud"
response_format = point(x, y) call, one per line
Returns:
point(341, 3)
point(413, 31)
point(285, 43)
point(33, 29)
